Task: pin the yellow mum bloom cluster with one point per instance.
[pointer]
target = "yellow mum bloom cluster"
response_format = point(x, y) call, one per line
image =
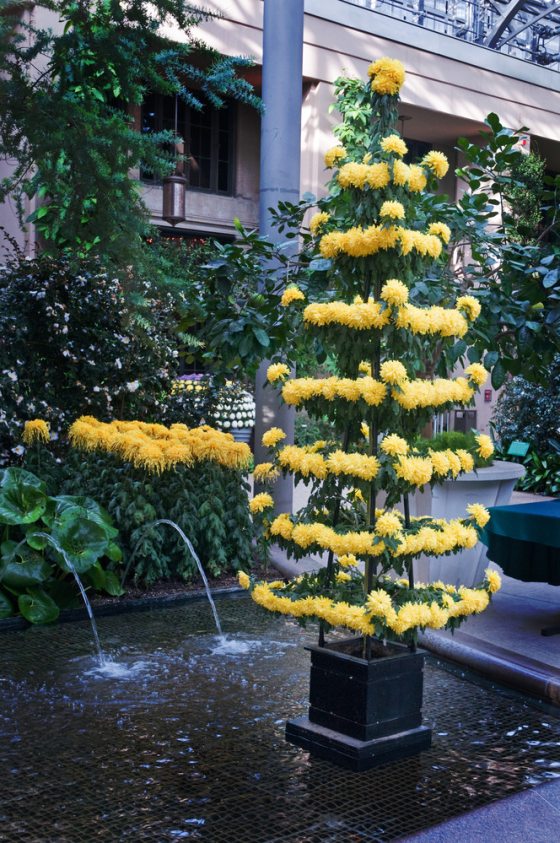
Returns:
point(387, 76)
point(446, 537)
point(393, 371)
point(261, 502)
point(457, 603)
point(447, 322)
point(412, 395)
point(440, 229)
point(157, 448)
point(437, 162)
point(360, 242)
point(395, 144)
point(392, 210)
point(291, 294)
point(301, 461)
point(485, 447)
point(394, 445)
point(394, 292)
point(477, 373)
point(417, 471)
point(277, 371)
point(318, 220)
point(479, 513)
point(470, 305)
point(272, 437)
point(299, 390)
point(356, 175)
point(293, 458)
point(360, 316)
point(411, 176)
point(347, 561)
point(334, 613)
point(265, 472)
point(334, 154)
point(36, 430)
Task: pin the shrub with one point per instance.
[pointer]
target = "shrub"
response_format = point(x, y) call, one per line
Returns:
point(75, 339)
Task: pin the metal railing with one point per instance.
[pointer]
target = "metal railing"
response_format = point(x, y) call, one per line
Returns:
point(527, 29)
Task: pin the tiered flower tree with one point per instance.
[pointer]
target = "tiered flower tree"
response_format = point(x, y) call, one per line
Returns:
point(380, 231)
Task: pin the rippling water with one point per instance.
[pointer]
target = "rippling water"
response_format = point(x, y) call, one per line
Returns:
point(181, 736)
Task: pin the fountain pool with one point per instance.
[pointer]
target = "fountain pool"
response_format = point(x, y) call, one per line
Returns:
point(180, 736)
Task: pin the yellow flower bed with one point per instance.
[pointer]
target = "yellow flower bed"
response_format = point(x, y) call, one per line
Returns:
point(157, 448)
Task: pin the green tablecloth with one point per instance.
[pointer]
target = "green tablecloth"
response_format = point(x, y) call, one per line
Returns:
point(525, 540)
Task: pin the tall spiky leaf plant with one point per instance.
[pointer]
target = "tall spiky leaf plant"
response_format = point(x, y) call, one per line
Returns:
point(380, 231)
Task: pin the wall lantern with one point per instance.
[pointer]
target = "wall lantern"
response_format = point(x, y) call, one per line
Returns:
point(174, 186)
point(174, 198)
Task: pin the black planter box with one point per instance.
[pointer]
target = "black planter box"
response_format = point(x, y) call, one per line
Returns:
point(363, 713)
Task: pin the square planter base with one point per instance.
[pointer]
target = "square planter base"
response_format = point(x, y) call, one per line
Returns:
point(352, 753)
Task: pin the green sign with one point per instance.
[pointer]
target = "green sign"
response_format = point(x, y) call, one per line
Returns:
point(518, 449)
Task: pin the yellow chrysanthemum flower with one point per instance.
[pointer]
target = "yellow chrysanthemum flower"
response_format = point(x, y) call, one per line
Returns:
point(441, 230)
point(393, 371)
point(272, 437)
point(265, 472)
point(470, 305)
point(394, 292)
point(277, 371)
point(477, 373)
point(334, 154)
point(494, 580)
point(392, 210)
point(394, 143)
point(348, 560)
point(318, 220)
point(437, 162)
point(261, 502)
point(243, 579)
point(387, 76)
point(342, 576)
point(417, 180)
point(479, 513)
point(388, 524)
point(36, 430)
point(485, 446)
point(394, 445)
point(291, 294)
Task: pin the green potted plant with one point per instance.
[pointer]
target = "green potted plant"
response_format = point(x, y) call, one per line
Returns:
point(377, 232)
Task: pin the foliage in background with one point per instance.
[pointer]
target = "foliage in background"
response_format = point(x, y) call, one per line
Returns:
point(531, 413)
point(77, 339)
point(209, 503)
point(515, 274)
point(66, 95)
point(35, 578)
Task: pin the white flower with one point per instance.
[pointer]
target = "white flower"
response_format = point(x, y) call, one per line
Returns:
point(97, 389)
point(12, 375)
point(118, 363)
point(19, 450)
point(132, 386)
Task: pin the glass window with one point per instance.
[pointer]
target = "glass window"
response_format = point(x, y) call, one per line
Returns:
point(207, 135)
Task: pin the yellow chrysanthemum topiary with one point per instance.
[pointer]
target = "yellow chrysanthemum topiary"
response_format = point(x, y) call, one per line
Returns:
point(385, 329)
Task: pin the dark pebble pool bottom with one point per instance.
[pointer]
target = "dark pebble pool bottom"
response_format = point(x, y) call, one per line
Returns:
point(183, 739)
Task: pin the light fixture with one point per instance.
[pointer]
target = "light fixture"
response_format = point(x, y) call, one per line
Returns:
point(174, 187)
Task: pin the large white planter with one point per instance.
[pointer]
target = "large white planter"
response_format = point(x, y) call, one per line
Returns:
point(490, 486)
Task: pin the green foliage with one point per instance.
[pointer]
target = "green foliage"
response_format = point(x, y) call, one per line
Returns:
point(43, 538)
point(543, 473)
point(515, 276)
point(208, 502)
point(309, 429)
point(75, 339)
point(68, 127)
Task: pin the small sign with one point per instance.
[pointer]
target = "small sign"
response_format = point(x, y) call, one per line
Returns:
point(487, 396)
point(518, 449)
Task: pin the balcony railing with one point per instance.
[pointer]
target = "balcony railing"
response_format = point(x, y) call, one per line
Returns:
point(526, 29)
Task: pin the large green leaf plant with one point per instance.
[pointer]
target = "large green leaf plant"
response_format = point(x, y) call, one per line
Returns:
point(44, 541)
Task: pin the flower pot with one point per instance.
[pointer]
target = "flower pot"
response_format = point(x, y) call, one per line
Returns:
point(242, 434)
point(363, 713)
point(491, 486)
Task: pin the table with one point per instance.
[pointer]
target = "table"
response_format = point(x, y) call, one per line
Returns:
point(524, 540)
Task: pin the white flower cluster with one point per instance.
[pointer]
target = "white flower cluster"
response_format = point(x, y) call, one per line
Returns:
point(235, 409)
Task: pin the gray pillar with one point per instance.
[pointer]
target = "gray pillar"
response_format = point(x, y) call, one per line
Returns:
point(279, 181)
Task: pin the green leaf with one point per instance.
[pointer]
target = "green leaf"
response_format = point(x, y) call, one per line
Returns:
point(38, 607)
point(82, 540)
point(23, 497)
point(262, 337)
point(81, 506)
point(6, 607)
point(21, 566)
point(498, 375)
